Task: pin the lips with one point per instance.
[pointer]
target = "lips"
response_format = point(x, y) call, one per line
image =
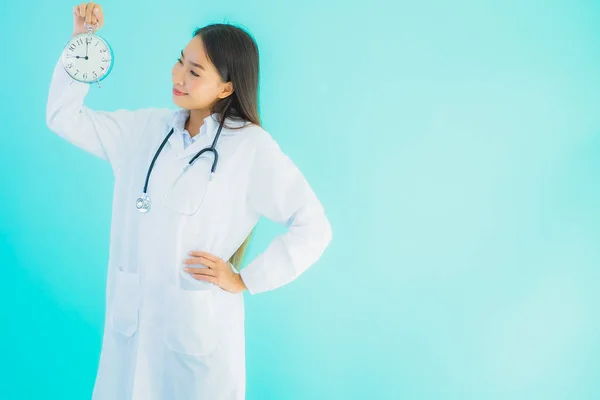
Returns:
point(178, 93)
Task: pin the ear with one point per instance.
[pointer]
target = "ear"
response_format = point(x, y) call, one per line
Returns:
point(226, 90)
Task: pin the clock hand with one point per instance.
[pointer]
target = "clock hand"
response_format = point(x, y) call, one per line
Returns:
point(70, 56)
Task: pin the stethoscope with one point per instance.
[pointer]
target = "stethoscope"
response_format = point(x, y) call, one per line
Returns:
point(143, 203)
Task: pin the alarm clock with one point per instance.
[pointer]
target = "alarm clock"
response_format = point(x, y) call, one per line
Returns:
point(88, 57)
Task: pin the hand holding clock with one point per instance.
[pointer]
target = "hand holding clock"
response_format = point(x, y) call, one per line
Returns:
point(87, 14)
point(97, 62)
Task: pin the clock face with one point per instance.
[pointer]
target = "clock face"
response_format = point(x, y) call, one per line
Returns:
point(87, 58)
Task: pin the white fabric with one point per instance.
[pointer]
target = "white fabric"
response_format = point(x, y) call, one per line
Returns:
point(168, 336)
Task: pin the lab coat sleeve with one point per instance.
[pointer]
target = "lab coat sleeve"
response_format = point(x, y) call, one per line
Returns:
point(278, 191)
point(110, 135)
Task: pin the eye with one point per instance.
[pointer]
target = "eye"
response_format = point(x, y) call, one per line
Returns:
point(191, 72)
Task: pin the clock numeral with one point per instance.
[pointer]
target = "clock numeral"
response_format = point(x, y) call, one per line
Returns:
point(95, 75)
point(103, 50)
point(70, 65)
point(72, 47)
point(102, 68)
point(85, 76)
point(104, 59)
point(88, 40)
point(77, 72)
point(79, 41)
point(97, 43)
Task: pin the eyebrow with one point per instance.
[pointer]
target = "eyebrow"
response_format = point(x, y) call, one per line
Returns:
point(193, 63)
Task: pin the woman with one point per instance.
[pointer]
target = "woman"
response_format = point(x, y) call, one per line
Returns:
point(174, 305)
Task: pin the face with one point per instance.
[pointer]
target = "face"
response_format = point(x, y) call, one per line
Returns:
point(196, 82)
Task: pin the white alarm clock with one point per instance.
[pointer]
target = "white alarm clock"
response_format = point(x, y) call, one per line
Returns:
point(88, 57)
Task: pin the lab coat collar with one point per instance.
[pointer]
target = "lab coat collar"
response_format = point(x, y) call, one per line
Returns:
point(207, 132)
point(210, 126)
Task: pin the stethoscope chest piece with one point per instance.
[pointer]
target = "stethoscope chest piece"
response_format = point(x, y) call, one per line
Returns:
point(143, 203)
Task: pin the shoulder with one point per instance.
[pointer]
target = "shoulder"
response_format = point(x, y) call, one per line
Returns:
point(154, 119)
point(264, 153)
point(160, 115)
point(258, 140)
point(141, 117)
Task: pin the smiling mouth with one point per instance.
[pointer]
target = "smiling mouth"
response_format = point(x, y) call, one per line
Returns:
point(178, 93)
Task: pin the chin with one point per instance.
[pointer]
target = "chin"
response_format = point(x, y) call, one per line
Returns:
point(178, 102)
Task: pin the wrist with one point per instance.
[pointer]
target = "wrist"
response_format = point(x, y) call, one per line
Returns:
point(240, 283)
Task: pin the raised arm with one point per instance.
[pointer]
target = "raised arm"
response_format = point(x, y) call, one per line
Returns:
point(110, 135)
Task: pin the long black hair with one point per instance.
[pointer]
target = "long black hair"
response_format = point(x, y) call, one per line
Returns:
point(234, 53)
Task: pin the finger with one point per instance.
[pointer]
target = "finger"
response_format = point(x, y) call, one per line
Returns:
point(94, 19)
point(202, 261)
point(205, 278)
point(99, 14)
point(209, 263)
point(82, 10)
point(201, 271)
point(205, 255)
point(89, 9)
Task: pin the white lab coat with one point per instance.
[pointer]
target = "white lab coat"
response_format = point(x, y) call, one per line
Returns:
point(168, 336)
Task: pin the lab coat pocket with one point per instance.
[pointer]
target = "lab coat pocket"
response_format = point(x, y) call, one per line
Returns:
point(125, 303)
point(191, 326)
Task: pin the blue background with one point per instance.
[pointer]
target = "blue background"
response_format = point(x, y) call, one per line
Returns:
point(454, 145)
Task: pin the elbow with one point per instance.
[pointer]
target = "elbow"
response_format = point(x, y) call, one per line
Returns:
point(61, 121)
point(49, 122)
point(51, 118)
point(317, 230)
point(321, 234)
point(320, 228)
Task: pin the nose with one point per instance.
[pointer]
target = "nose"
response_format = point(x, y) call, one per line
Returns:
point(178, 76)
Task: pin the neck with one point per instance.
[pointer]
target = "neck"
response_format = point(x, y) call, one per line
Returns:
point(195, 121)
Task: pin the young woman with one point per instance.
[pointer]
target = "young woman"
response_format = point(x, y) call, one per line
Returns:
point(174, 327)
